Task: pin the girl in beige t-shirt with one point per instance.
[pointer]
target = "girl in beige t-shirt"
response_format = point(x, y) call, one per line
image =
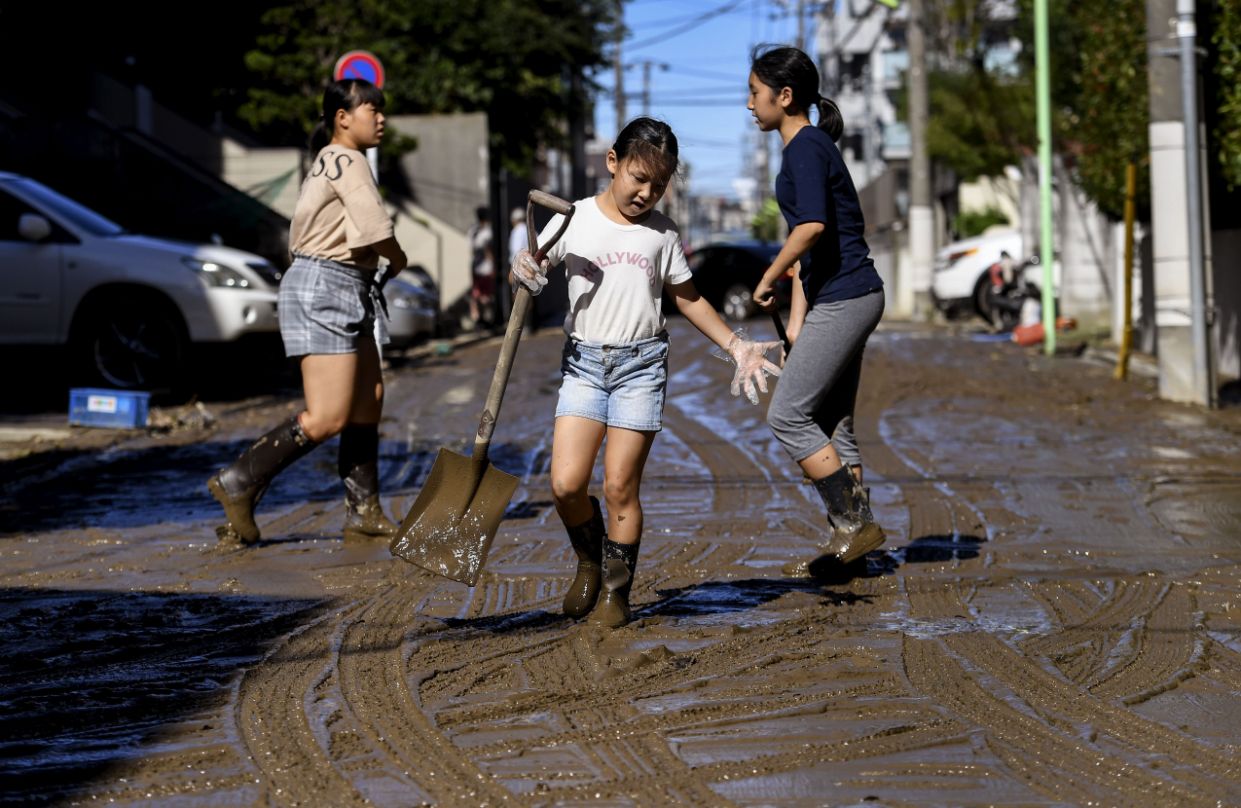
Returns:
point(329, 307)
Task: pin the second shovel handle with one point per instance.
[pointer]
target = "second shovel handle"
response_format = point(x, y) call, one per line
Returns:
point(517, 319)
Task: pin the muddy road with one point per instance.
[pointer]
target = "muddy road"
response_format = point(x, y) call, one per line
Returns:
point(1056, 618)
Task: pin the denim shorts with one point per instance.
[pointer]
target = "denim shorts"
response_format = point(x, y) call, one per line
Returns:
point(619, 385)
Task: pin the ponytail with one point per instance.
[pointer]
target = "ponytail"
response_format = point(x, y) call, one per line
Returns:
point(830, 119)
point(320, 136)
point(790, 67)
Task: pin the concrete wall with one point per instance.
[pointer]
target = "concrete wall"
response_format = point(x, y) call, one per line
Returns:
point(447, 174)
point(272, 176)
point(440, 248)
point(1001, 193)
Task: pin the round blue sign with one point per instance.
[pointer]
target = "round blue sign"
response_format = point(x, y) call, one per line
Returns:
point(360, 64)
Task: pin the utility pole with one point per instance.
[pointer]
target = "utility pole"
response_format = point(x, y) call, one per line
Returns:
point(1186, 32)
point(1042, 61)
point(921, 214)
point(618, 66)
point(1181, 289)
point(801, 24)
point(577, 133)
point(646, 81)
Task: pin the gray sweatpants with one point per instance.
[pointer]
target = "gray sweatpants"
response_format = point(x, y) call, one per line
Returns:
point(813, 402)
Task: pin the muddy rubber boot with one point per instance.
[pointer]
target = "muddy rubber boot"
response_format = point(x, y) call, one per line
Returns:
point(619, 561)
point(239, 487)
point(358, 464)
point(587, 540)
point(855, 532)
point(838, 543)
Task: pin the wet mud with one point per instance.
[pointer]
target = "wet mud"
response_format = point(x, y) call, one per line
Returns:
point(1055, 618)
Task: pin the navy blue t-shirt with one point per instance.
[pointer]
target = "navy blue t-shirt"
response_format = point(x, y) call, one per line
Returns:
point(814, 186)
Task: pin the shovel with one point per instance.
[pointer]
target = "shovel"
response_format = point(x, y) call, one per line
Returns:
point(450, 527)
point(780, 332)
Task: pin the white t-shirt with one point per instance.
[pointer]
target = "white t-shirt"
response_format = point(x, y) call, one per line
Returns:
point(516, 239)
point(616, 273)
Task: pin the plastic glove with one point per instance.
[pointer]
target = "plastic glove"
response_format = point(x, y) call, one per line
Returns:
point(753, 367)
point(529, 274)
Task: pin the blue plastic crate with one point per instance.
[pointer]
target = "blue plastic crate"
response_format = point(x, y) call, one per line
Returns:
point(120, 409)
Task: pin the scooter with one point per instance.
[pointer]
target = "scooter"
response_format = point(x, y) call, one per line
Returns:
point(1005, 298)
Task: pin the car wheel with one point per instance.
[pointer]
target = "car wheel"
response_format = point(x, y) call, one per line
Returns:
point(133, 344)
point(737, 303)
point(983, 304)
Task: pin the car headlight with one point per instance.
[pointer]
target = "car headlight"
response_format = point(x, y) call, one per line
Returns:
point(215, 274)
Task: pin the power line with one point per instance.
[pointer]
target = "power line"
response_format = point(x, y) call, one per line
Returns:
point(689, 26)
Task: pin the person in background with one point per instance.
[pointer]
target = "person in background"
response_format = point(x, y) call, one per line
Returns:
point(482, 269)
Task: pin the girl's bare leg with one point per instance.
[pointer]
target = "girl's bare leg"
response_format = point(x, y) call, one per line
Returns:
point(575, 445)
point(623, 463)
point(328, 383)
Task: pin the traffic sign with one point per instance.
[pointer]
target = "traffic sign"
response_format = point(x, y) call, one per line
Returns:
point(360, 64)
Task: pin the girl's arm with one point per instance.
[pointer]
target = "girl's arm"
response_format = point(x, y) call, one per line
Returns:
point(702, 314)
point(750, 358)
point(388, 248)
point(800, 240)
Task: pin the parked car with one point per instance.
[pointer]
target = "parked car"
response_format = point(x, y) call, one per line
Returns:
point(959, 280)
point(726, 273)
point(961, 283)
point(413, 307)
point(128, 307)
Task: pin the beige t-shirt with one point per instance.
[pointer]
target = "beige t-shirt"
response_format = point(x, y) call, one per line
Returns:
point(339, 213)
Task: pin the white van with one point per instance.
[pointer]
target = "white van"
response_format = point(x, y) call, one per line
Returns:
point(127, 306)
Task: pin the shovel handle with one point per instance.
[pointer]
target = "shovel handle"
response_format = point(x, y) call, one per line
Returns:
point(780, 332)
point(516, 321)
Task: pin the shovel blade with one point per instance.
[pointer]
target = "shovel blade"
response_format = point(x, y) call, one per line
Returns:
point(449, 529)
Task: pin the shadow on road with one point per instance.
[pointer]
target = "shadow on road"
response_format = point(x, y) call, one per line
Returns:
point(90, 677)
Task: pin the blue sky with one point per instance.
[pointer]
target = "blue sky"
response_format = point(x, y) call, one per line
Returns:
point(705, 45)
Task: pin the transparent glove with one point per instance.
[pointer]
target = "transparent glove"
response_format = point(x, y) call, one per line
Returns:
point(529, 274)
point(752, 365)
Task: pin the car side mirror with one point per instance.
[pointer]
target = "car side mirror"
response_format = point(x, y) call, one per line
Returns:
point(33, 227)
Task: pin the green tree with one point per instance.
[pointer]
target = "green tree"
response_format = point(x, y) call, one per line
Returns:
point(1227, 41)
point(1104, 116)
point(765, 226)
point(983, 119)
point(509, 58)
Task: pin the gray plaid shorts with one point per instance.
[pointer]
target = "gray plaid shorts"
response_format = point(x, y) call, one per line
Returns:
point(327, 307)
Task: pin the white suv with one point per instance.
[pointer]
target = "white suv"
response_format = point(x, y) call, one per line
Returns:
point(959, 281)
point(127, 306)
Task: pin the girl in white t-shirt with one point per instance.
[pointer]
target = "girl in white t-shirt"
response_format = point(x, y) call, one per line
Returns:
point(619, 256)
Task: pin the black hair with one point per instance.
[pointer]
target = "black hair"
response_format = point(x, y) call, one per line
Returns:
point(649, 141)
point(781, 67)
point(346, 94)
point(482, 213)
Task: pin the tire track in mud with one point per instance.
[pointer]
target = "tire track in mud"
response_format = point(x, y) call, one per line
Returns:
point(375, 685)
point(272, 718)
point(1046, 760)
point(1064, 707)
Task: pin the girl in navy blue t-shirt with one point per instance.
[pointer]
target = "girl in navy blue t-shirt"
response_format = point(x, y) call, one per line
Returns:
point(836, 305)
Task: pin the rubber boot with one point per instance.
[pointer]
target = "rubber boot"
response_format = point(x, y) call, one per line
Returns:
point(587, 540)
point(358, 464)
point(839, 542)
point(239, 487)
point(619, 561)
point(855, 532)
